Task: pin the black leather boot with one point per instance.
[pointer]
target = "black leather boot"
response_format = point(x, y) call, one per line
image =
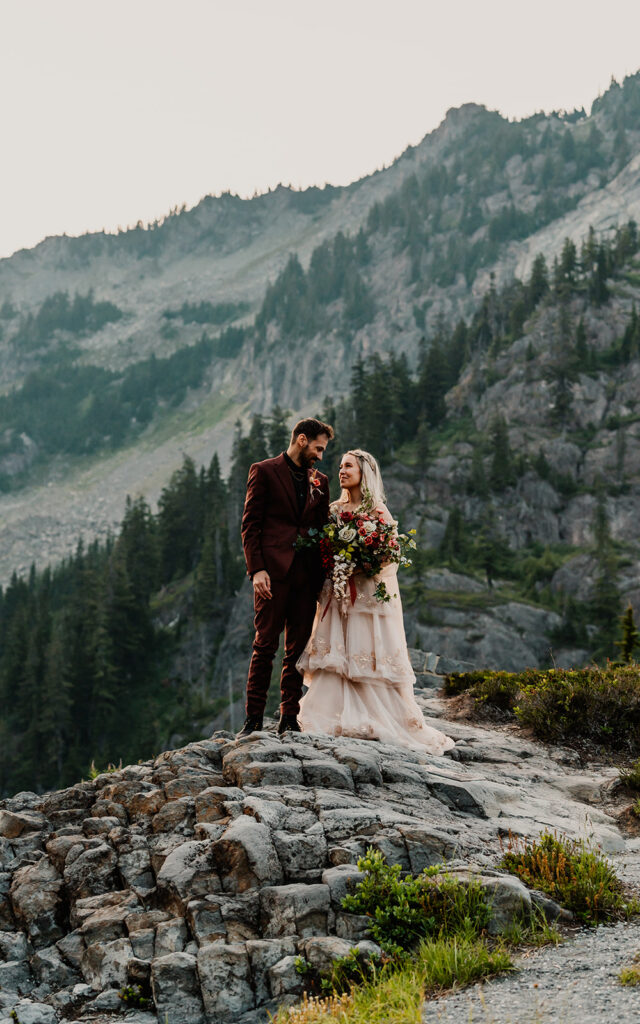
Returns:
point(288, 723)
point(252, 723)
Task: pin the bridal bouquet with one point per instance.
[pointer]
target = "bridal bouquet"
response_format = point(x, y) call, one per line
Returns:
point(359, 540)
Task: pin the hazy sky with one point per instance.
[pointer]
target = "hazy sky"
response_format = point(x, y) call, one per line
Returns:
point(117, 111)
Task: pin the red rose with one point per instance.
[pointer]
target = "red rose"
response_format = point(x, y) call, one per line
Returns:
point(368, 540)
point(362, 531)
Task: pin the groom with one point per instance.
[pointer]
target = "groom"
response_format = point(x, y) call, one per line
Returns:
point(286, 496)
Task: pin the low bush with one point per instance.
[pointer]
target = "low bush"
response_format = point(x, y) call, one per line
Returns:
point(405, 911)
point(631, 776)
point(571, 872)
point(601, 705)
point(499, 689)
point(463, 682)
point(597, 704)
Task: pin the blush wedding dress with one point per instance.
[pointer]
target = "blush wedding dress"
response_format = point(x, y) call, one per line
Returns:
point(358, 671)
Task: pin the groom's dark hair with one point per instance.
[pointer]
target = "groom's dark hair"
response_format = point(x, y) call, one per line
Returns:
point(311, 428)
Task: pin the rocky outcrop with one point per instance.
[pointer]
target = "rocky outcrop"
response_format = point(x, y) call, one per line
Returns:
point(202, 875)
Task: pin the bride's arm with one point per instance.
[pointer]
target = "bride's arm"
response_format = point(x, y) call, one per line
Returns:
point(386, 515)
point(387, 518)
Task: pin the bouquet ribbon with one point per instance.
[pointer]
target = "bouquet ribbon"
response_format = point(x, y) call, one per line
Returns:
point(352, 594)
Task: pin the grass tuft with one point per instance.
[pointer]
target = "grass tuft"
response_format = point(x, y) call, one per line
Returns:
point(396, 995)
point(631, 975)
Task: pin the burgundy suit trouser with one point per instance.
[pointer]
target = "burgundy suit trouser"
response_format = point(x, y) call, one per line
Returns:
point(291, 607)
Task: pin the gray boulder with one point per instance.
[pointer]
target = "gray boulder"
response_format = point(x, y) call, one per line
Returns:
point(284, 979)
point(38, 902)
point(15, 976)
point(263, 955)
point(91, 871)
point(176, 989)
point(245, 855)
point(225, 979)
point(295, 910)
point(104, 965)
point(189, 871)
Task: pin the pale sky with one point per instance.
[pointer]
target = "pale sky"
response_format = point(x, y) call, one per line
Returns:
point(117, 111)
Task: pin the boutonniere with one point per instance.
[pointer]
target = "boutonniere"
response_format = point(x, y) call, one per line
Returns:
point(314, 484)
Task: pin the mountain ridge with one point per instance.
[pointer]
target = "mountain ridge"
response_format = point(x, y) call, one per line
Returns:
point(300, 370)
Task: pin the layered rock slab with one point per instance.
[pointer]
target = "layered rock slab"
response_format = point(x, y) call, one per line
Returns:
point(202, 875)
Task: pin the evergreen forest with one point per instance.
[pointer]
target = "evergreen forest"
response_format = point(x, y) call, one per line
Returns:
point(87, 651)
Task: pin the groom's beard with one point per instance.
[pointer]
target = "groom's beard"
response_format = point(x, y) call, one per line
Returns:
point(307, 459)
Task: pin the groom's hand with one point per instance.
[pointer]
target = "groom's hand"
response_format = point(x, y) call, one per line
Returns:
point(262, 584)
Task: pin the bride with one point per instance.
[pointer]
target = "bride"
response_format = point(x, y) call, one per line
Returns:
point(356, 663)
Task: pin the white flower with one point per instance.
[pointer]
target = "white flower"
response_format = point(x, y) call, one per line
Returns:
point(347, 533)
point(369, 527)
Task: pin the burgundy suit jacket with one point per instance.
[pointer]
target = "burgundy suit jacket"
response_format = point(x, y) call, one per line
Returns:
point(271, 521)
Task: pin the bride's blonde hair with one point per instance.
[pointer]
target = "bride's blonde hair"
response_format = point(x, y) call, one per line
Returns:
point(371, 482)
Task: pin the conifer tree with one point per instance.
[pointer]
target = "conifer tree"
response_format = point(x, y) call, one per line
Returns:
point(598, 289)
point(453, 545)
point(180, 518)
point(538, 285)
point(581, 347)
point(54, 718)
point(277, 431)
point(477, 483)
point(630, 636)
point(501, 474)
point(605, 600)
point(423, 444)
point(139, 543)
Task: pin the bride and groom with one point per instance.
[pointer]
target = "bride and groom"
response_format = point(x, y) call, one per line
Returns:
point(352, 654)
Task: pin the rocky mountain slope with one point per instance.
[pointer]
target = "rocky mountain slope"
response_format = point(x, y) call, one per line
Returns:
point(202, 874)
point(479, 195)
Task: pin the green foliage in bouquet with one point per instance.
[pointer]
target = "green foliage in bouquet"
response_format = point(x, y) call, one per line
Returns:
point(359, 541)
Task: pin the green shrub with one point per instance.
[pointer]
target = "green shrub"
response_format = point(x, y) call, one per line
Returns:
point(597, 704)
point(460, 682)
point(571, 872)
point(631, 776)
point(500, 689)
point(404, 911)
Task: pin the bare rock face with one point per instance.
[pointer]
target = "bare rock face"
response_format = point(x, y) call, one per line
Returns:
point(38, 902)
point(203, 875)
